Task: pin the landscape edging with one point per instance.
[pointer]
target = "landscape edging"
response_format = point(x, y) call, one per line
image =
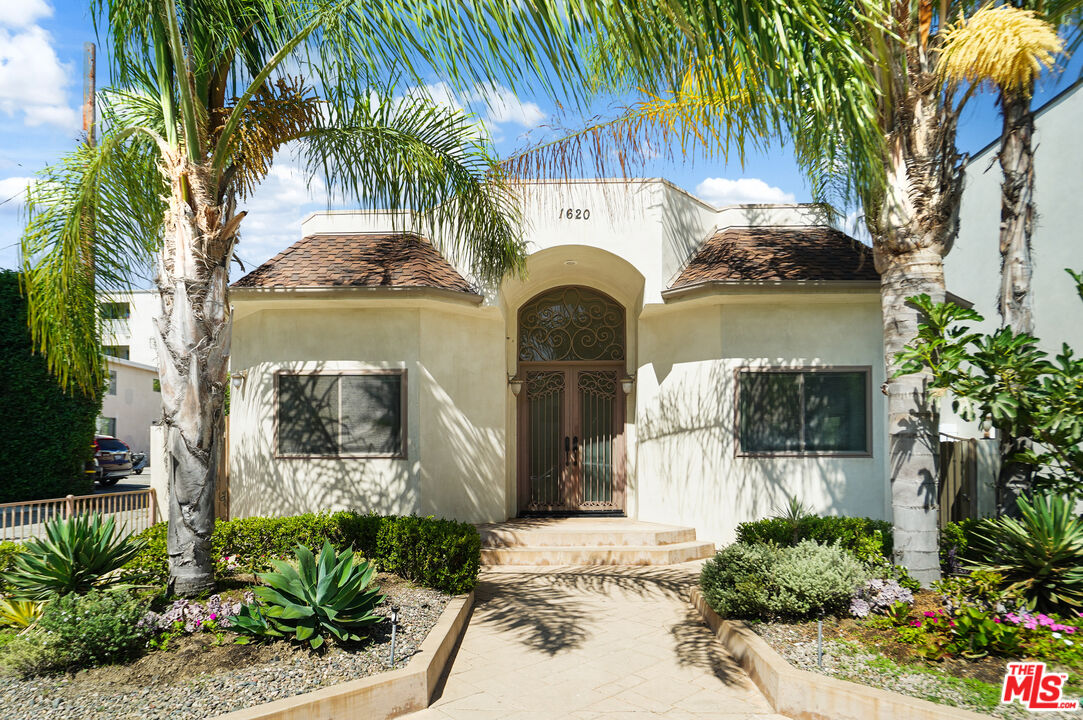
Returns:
point(386, 695)
point(806, 695)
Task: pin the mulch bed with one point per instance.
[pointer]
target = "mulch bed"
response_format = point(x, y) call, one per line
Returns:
point(193, 678)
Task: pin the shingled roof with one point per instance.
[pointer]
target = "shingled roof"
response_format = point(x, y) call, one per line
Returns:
point(391, 260)
point(778, 254)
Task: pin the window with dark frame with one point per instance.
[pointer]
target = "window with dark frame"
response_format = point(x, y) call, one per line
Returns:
point(116, 311)
point(341, 415)
point(803, 411)
point(117, 351)
point(112, 383)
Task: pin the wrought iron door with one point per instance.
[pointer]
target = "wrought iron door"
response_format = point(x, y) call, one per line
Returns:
point(572, 421)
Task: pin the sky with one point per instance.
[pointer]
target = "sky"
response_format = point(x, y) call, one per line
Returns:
point(41, 60)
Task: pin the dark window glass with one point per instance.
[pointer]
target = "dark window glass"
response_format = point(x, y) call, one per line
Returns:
point(115, 311)
point(340, 414)
point(112, 383)
point(156, 385)
point(117, 351)
point(791, 411)
point(108, 443)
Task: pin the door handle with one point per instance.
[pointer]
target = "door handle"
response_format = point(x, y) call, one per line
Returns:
point(567, 451)
point(575, 450)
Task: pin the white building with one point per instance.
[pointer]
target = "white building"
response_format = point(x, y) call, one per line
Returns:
point(662, 358)
point(129, 325)
point(131, 404)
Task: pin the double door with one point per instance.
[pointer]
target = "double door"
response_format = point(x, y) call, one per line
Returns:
point(571, 420)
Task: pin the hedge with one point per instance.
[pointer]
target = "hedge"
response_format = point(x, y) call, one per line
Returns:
point(441, 554)
point(865, 538)
point(47, 432)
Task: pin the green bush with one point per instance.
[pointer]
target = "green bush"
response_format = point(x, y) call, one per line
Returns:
point(76, 554)
point(8, 551)
point(78, 631)
point(328, 596)
point(867, 539)
point(53, 447)
point(955, 540)
point(760, 581)
point(441, 554)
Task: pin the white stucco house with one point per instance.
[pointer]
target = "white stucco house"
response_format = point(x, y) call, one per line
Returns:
point(132, 403)
point(662, 359)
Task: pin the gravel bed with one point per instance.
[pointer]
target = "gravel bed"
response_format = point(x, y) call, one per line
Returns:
point(849, 661)
point(284, 670)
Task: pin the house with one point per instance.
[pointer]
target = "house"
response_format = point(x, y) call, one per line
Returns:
point(133, 400)
point(661, 358)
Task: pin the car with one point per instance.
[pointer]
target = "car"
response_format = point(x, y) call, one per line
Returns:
point(115, 458)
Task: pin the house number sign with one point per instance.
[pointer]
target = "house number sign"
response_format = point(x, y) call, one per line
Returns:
point(574, 214)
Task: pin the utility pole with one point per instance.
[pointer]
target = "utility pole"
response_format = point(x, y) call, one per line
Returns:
point(89, 77)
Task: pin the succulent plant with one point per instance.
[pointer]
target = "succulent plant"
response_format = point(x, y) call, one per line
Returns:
point(328, 595)
point(76, 555)
point(19, 614)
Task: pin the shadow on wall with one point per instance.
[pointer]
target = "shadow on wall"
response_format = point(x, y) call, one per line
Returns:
point(686, 449)
point(261, 483)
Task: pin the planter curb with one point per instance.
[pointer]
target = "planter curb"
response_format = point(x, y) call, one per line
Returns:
point(809, 696)
point(386, 695)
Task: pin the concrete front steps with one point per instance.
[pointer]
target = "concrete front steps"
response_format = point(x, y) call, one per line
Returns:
point(588, 541)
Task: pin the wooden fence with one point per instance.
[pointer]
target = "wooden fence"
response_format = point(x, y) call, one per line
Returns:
point(958, 480)
point(131, 511)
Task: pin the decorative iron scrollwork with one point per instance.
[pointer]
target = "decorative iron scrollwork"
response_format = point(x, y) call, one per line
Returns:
point(571, 323)
point(599, 383)
point(543, 383)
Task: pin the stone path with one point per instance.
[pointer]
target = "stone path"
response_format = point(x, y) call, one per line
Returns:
point(592, 642)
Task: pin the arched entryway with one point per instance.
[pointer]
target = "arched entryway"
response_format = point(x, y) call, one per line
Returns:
point(571, 357)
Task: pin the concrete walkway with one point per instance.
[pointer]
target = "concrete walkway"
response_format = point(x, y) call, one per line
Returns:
point(592, 642)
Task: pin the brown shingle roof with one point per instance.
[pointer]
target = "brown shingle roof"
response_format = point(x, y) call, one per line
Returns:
point(775, 254)
point(395, 260)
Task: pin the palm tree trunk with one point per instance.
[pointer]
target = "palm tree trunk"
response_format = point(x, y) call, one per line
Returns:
point(193, 356)
point(1015, 303)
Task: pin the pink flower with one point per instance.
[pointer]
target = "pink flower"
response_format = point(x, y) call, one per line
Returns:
point(951, 623)
point(915, 623)
point(1045, 619)
point(1012, 618)
point(996, 620)
point(929, 614)
point(214, 616)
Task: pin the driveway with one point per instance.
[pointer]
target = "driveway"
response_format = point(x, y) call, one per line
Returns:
point(592, 642)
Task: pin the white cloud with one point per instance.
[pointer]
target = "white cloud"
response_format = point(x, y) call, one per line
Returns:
point(12, 189)
point(504, 107)
point(854, 226)
point(723, 191)
point(21, 13)
point(33, 80)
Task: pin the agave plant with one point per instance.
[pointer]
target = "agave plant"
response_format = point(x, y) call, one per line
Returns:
point(329, 595)
point(20, 614)
point(1040, 555)
point(75, 555)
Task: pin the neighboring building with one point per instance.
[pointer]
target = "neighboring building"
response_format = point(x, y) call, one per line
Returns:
point(661, 357)
point(132, 402)
point(129, 325)
point(972, 268)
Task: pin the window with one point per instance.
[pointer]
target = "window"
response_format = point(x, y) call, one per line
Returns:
point(156, 385)
point(803, 411)
point(343, 415)
point(112, 383)
point(106, 426)
point(115, 311)
point(117, 351)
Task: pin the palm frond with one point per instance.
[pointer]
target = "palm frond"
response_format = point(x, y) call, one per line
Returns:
point(407, 154)
point(1001, 45)
point(94, 222)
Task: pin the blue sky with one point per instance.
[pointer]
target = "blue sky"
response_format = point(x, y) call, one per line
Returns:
point(41, 49)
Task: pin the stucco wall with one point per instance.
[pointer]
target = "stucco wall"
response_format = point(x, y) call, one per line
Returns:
point(454, 410)
point(135, 405)
point(686, 465)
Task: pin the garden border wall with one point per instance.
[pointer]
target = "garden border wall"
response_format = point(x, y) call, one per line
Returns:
point(386, 695)
point(808, 696)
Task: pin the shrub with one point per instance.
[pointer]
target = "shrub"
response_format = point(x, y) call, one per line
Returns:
point(441, 554)
point(955, 540)
point(811, 577)
point(79, 631)
point(52, 449)
point(76, 554)
point(761, 581)
point(1040, 555)
point(735, 581)
point(8, 551)
point(328, 596)
point(866, 538)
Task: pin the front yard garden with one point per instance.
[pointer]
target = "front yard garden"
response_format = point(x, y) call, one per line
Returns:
point(303, 602)
point(1016, 593)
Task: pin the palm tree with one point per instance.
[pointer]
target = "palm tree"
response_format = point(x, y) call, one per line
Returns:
point(978, 51)
point(205, 93)
point(854, 86)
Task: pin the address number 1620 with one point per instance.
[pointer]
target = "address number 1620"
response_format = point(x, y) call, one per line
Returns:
point(574, 214)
